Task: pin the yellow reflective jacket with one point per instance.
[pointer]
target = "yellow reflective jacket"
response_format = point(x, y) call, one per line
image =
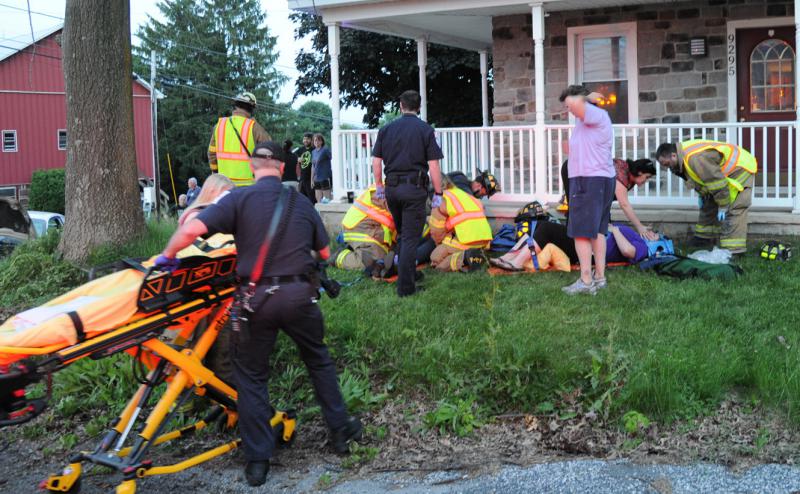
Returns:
point(466, 217)
point(233, 159)
point(364, 207)
point(723, 180)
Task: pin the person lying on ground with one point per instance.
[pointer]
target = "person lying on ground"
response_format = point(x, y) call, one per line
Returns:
point(623, 245)
point(629, 174)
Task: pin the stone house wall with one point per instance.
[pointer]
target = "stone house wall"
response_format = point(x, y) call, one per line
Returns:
point(673, 86)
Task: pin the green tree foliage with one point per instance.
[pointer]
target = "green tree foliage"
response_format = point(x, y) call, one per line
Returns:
point(47, 191)
point(207, 52)
point(312, 116)
point(376, 68)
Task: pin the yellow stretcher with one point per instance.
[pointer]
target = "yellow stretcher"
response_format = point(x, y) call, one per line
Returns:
point(168, 323)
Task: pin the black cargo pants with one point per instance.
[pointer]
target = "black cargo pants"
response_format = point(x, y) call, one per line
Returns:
point(291, 309)
point(407, 204)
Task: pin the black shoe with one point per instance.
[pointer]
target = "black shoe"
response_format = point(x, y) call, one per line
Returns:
point(474, 260)
point(341, 437)
point(418, 276)
point(256, 472)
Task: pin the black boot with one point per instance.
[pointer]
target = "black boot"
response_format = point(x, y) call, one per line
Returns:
point(256, 472)
point(473, 260)
point(341, 437)
point(700, 243)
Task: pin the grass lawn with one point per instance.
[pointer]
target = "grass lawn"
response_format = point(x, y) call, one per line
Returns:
point(666, 348)
point(479, 345)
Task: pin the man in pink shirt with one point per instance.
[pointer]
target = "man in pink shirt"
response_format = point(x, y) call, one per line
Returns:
point(591, 186)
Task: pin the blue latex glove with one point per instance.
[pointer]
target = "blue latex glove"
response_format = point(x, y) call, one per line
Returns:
point(721, 215)
point(165, 263)
point(700, 202)
point(380, 192)
point(437, 201)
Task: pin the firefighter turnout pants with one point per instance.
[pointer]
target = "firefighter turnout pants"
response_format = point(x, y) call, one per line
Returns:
point(365, 245)
point(449, 255)
point(732, 232)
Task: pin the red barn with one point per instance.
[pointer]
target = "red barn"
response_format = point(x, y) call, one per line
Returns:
point(33, 115)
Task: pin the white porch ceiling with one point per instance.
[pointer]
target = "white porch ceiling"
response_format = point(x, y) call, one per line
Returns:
point(460, 23)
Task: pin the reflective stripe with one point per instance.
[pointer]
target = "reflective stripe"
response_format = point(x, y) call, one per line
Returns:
point(454, 261)
point(450, 241)
point(717, 184)
point(363, 238)
point(381, 216)
point(706, 228)
point(733, 159)
point(462, 217)
point(436, 223)
point(341, 257)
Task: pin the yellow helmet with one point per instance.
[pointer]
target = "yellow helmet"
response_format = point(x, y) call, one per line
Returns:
point(247, 98)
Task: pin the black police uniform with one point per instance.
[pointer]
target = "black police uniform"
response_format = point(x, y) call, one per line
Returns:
point(405, 146)
point(427, 246)
point(246, 213)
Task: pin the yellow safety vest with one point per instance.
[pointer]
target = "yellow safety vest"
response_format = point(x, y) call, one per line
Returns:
point(465, 215)
point(233, 160)
point(734, 157)
point(363, 208)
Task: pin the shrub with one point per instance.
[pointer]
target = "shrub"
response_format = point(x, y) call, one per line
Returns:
point(47, 191)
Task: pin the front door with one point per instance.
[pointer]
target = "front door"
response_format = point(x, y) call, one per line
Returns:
point(766, 93)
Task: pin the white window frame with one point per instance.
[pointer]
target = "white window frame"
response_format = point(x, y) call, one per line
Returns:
point(58, 139)
point(575, 58)
point(16, 142)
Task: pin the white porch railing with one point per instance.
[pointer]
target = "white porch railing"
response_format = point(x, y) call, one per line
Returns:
point(508, 152)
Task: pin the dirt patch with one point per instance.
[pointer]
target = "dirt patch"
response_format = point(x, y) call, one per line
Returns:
point(736, 435)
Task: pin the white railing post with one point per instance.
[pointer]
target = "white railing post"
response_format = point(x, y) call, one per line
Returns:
point(540, 187)
point(338, 162)
point(796, 208)
point(484, 152)
point(422, 61)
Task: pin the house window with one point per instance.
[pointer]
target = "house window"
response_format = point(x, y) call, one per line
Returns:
point(62, 139)
point(8, 192)
point(603, 58)
point(772, 77)
point(9, 141)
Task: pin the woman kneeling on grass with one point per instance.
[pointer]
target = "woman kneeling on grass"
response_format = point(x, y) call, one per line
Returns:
point(556, 251)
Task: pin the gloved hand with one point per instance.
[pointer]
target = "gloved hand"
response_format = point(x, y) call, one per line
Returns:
point(380, 192)
point(168, 264)
point(722, 214)
point(436, 201)
point(700, 202)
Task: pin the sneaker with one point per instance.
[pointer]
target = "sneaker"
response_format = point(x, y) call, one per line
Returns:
point(341, 437)
point(599, 283)
point(256, 472)
point(579, 287)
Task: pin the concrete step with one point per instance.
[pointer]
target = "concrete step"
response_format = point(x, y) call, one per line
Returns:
point(672, 221)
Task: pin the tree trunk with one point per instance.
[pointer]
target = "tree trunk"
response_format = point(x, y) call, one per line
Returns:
point(102, 194)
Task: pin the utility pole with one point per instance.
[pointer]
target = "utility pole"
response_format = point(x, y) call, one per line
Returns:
point(154, 123)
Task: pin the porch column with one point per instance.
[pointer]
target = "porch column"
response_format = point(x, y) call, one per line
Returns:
point(422, 61)
point(336, 146)
point(485, 86)
point(540, 146)
point(796, 208)
point(484, 152)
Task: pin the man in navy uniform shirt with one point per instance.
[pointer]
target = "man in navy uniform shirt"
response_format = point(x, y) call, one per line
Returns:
point(408, 150)
point(291, 306)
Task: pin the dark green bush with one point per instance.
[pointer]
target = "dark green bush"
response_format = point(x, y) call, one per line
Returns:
point(47, 191)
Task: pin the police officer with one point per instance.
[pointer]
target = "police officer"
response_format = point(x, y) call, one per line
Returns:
point(284, 299)
point(408, 149)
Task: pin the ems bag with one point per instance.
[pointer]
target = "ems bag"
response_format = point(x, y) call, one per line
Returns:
point(505, 239)
point(685, 268)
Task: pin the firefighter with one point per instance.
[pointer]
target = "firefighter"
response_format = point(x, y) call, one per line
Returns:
point(233, 140)
point(461, 231)
point(369, 235)
point(722, 174)
point(484, 185)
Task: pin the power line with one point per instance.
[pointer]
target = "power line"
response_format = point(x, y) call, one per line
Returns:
point(30, 11)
